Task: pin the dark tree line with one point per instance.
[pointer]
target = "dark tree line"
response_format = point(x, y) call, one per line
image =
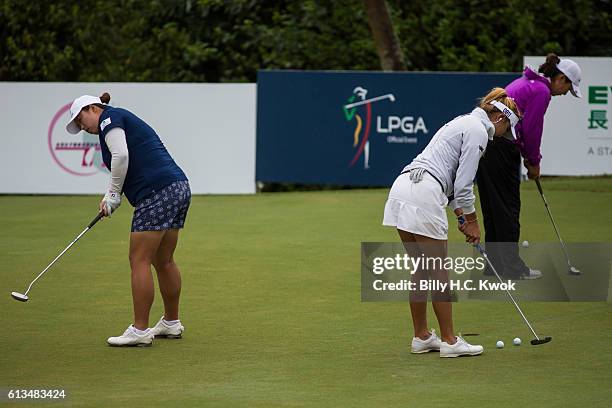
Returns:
point(228, 41)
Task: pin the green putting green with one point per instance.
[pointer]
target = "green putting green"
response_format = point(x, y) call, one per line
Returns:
point(272, 311)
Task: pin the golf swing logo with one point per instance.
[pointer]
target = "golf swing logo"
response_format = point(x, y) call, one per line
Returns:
point(385, 125)
point(350, 112)
point(78, 157)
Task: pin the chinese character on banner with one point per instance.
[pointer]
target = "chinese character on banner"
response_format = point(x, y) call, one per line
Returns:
point(598, 95)
point(598, 119)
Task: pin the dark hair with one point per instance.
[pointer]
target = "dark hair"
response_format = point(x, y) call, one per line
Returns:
point(549, 68)
point(105, 97)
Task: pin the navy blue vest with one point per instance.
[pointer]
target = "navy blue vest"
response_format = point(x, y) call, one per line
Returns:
point(150, 166)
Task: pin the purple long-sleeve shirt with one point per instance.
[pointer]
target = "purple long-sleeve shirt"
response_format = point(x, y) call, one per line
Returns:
point(531, 92)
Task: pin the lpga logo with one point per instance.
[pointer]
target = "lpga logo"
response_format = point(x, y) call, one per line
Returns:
point(79, 155)
point(350, 112)
point(385, 126)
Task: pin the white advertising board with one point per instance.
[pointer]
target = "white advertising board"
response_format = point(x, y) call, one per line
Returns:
point(577, 137)
point(209, 129)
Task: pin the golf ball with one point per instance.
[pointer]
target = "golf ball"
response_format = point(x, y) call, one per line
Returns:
point(516, 341)
point(525, 244)
point(500, 344)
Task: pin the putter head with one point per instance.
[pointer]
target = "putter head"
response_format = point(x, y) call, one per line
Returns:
point(574, 271)
point(19, 296)
point(535, 342)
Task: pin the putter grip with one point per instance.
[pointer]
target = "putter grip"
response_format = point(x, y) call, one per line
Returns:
point(539, 186)
point(93, 222)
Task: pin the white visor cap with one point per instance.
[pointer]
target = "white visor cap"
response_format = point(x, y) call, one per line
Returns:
point(512, 117)
point(573, 72)
point(76, 107)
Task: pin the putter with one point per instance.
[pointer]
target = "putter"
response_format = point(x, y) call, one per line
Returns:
point(23, 297)
point(570, 269)
point(538, 339)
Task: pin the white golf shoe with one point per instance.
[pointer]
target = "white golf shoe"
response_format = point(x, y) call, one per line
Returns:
point(460, 348)
point(129, 338)
point(162, 329)
point(532, 274)
point(424, 346)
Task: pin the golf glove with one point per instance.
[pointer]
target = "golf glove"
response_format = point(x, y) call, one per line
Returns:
point(416, 175)
point(112, 201)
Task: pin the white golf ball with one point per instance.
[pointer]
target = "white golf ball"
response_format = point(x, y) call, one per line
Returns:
point(499, 344)
point(525, 244)
point(516, 341)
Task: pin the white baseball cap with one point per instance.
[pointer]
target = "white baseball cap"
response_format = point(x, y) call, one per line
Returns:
point(573, 72)
point(512, 117)
point(76, 107)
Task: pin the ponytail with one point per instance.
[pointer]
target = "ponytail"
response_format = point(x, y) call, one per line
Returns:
point(549, 68)
point(500, 95)
point(105, 98)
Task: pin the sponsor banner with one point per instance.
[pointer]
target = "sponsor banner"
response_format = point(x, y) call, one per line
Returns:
point(355, 128)
point(577, 138)
point(209, 129)
point(392, 271)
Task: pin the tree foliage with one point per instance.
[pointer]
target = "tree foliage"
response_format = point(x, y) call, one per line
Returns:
point(229, 41)
point(480, 35)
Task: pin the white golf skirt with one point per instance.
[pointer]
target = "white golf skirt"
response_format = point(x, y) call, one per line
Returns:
point(419, 208)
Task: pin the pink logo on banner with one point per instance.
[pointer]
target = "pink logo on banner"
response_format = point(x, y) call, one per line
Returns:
point(80, 154)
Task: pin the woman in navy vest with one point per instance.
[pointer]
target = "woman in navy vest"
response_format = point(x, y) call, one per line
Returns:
point(141, 168)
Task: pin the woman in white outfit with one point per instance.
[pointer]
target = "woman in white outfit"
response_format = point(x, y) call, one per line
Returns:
point(443, 175)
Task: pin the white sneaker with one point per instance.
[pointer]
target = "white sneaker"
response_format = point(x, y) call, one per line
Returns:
point(423, 346)
point(532, 274)
point(130, 339)
point(460, 348)
point(161, 329)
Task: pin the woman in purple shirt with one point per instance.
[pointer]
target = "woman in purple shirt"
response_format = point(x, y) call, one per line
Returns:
point(499, 170)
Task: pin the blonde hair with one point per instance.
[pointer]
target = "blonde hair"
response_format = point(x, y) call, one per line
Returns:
point(500, 95)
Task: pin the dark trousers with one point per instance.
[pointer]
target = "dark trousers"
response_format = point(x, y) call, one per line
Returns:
point(499, 184)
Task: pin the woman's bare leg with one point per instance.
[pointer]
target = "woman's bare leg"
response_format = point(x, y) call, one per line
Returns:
point(418, 300)
point(143, 247)
point(432, 249)
point(435, 249)
point(168, 274)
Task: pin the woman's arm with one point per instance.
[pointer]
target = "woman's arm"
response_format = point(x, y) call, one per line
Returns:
point(473, 145)
point(532, 126)
point(117, 144)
